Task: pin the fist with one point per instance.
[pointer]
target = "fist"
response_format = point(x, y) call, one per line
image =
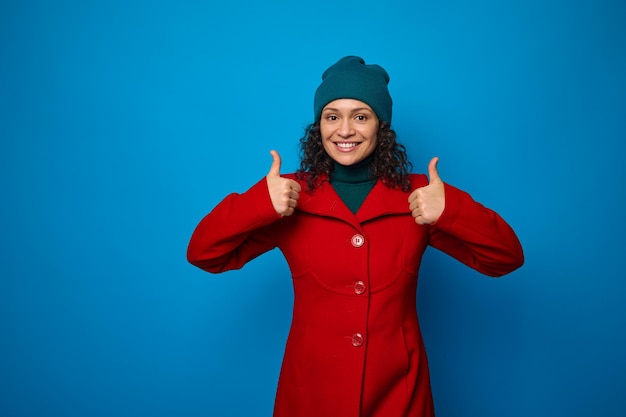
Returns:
point(427, 203)
point(284, 192)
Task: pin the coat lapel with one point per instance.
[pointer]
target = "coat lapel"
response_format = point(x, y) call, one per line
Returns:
point(324, 201)
point(380, 201)
point(383, 201)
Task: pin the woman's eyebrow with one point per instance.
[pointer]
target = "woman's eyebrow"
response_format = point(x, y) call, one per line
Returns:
point(350, 110)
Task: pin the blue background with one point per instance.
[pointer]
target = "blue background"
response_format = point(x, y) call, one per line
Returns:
point(122, 123)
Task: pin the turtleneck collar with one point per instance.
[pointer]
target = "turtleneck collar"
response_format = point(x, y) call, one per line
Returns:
point(352, 174)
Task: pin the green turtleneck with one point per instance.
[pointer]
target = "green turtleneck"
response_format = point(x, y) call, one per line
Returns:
point(353, 182)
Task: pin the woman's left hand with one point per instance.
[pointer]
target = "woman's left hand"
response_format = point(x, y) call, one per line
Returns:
point(427, 203)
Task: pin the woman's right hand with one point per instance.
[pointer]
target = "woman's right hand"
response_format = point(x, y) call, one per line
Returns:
point(284, 192)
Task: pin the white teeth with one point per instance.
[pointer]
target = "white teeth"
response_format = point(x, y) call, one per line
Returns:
point(346, 145)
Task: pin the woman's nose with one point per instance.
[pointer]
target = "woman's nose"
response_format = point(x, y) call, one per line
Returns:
point(345, 130)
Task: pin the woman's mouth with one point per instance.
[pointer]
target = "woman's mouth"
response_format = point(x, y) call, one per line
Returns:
point(346, 146)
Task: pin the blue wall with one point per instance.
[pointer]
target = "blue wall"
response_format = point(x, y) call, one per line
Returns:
point(123, 123)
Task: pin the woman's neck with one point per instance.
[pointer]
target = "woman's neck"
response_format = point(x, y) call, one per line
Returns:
point(352, 174)
point(353, 183)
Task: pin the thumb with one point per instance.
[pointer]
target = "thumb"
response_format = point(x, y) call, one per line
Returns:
point(275, 168)
point(432, 171)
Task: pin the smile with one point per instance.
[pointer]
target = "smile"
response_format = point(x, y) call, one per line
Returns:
point(347, 145)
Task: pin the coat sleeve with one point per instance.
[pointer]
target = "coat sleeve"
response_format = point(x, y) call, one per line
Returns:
point(236, 231)
point(476, 235)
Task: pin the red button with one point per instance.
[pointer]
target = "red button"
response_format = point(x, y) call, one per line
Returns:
point(357, 241)
point(359, 287)
point(357, 339)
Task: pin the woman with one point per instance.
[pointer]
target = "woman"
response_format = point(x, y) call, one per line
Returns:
point(353, 225)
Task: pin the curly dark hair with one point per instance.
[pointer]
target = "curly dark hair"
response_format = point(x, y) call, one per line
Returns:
point(390, 164)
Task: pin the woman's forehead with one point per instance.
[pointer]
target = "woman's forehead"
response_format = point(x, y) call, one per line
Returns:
point(348, 104)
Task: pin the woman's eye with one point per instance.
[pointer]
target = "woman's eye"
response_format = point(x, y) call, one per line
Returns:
point(331, 117)
point(361, 117)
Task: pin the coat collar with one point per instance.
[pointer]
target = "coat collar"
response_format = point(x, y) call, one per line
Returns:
point(380, 201)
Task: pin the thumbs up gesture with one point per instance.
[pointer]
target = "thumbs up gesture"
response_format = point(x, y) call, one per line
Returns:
point(284, 192)
point(427, 203)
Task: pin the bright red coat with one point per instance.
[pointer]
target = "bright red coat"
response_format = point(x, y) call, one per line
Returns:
point(355, 347)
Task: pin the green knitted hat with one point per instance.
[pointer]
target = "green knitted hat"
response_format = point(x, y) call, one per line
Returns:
point(351, 78)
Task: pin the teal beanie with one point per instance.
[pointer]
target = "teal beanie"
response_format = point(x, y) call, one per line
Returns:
point(351, 78)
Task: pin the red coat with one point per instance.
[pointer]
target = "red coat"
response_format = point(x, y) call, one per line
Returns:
point(355, 347)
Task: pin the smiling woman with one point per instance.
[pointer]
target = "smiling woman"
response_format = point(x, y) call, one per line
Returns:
point(349, 129)
point(353, 224)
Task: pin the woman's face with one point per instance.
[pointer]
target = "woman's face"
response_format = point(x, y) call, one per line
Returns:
point(349, 129)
